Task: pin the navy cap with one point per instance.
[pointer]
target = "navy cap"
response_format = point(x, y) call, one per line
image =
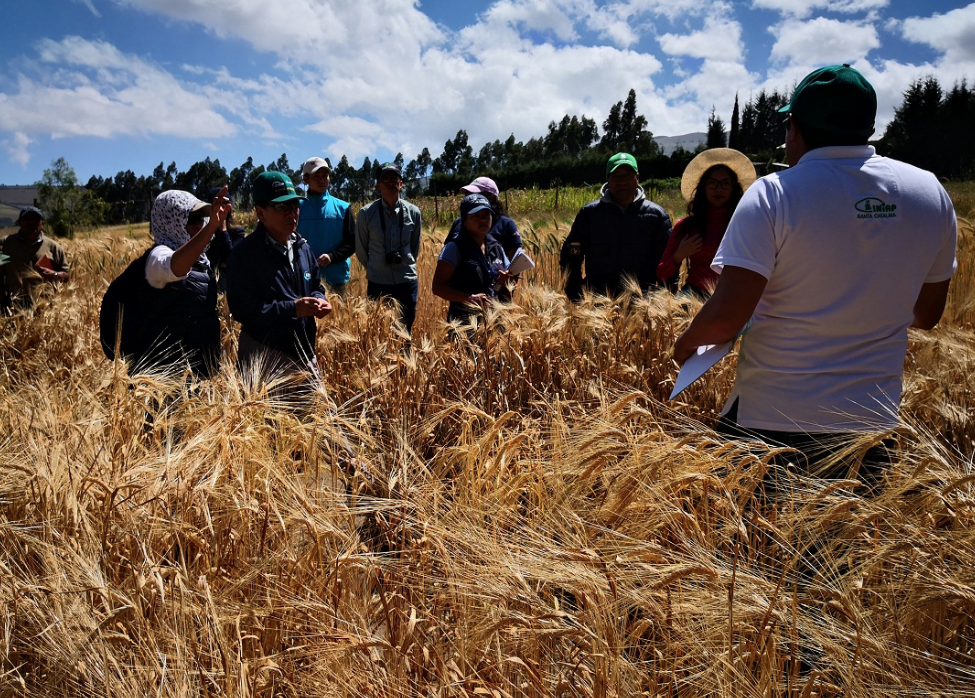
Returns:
point(472, 203)
point(27, 210)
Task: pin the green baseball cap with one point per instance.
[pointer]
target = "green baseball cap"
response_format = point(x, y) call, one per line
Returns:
point(272, 187)
point(836, 99)
point(618, 161)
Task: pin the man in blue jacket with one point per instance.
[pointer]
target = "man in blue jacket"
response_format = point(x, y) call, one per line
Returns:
point(326, 223)
point(273, 288)
point(622, 235)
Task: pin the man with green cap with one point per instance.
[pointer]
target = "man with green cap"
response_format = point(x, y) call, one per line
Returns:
point(831, 261)
point(620, 236)
point(273, 287)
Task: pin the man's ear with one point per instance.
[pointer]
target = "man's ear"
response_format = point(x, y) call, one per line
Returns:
point(259, 212)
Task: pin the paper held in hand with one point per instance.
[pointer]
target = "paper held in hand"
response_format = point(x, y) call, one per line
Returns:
point(519, 263)
point(704, 358)
point(698, 364)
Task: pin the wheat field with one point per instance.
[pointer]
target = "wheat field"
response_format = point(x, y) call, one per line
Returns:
point(518, 514)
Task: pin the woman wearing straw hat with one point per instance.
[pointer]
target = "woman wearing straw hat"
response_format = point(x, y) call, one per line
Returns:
point(712, 184)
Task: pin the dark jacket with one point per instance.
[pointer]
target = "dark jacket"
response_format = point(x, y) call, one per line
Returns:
point(614, 243)
point(223, 241)
point(476, 272)
point(262, 289)
point(181, 322)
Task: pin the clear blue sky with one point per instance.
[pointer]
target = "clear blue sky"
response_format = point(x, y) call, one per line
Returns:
point(126, 84)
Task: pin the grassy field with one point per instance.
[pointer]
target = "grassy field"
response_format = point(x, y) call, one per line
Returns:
point(527, 515)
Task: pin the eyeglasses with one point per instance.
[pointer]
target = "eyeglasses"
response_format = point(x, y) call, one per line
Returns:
point(719, 184)
point(284, 206)
point(195, 220)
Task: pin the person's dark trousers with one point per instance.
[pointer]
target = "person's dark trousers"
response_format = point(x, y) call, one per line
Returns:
point(814, 456)
point(815, 450)
point(405, 294)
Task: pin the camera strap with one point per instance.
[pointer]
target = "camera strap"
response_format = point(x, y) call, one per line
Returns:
point(382, 224)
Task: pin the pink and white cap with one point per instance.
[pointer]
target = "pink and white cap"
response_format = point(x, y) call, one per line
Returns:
point(482, 185)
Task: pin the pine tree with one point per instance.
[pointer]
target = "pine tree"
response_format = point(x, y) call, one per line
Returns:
point(735, 135)
point(716, 133)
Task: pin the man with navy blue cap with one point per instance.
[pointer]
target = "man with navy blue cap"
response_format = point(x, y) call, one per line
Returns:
point(831, 261)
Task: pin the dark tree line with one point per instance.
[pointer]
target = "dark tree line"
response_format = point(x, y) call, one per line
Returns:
point(931, 129)
point(571, 153)
point(758, 130)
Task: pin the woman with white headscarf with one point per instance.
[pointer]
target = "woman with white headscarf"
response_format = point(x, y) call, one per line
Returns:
point(181, 325)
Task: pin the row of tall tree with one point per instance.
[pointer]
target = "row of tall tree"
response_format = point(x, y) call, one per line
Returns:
point(930, 129)
point(933, 129)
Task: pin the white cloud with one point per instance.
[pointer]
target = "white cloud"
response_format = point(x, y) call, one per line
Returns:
point(719, 53)
point(541, 16)
point(805, 8)
point(373, 77)
point(17, 147)
point(369, 34)
point(720, 39)
point(106, 93)
point(90, 6)
point(952, 33)
point(822, 41)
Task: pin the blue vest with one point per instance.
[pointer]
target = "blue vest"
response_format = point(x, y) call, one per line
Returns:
point(320, 222)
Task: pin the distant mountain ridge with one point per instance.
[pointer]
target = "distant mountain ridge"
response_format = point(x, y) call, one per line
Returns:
point(689, 141)
point(12, 199)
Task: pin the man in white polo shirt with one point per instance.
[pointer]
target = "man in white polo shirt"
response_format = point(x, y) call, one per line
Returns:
point(832, 260)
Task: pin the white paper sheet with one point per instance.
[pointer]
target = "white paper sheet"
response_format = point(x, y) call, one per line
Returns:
point(521, 262)
point(698, 364)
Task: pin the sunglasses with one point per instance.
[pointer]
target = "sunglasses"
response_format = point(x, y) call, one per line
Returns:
point(284, 206)
point(195, 220)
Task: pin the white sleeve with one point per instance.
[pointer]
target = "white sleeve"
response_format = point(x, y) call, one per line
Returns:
point(751, 240)
point(159, 270)
point(946, 263)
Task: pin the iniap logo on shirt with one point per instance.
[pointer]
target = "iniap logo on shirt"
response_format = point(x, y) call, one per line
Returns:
point(307, 276)
point(872, 207)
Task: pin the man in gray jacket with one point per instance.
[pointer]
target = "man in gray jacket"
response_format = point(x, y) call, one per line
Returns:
point(622, 235)
point(387, 245)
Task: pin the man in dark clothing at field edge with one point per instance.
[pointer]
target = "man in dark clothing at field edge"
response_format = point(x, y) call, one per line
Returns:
point(33, 260)
point(273, 286)
point(621, 235)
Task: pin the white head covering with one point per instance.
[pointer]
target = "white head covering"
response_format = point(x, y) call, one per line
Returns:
point(170, 213)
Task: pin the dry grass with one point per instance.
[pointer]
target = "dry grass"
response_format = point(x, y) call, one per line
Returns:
point(527, 517)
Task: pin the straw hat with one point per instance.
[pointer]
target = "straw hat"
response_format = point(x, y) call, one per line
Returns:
point(729, 157)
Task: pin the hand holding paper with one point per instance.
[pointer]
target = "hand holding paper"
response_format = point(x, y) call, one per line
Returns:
point(698, 364)
point(519, 263)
